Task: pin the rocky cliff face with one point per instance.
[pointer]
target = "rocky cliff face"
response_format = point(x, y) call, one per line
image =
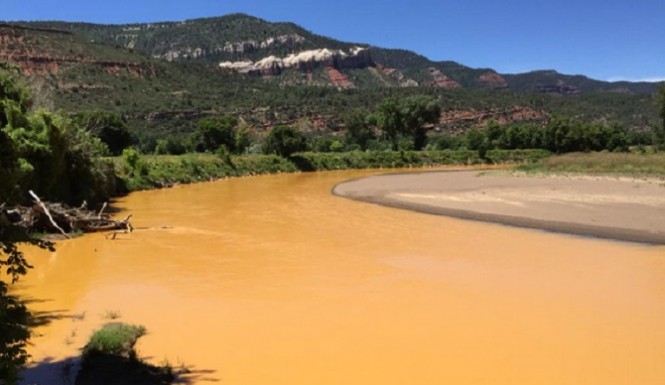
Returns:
point(305, 61)
point(17, 50)
point(398, 76)
point(493, 80)
point(238, 47)
point(338, 79)
point(440, 80)
point(271, 42)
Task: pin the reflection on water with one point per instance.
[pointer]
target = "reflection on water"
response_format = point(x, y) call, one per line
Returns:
point(272, 280)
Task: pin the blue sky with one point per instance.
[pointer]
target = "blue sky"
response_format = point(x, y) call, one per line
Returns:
point(607, 40)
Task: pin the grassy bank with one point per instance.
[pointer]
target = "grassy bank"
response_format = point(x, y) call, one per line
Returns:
point(109, 358)
point(601, 163)
point(138, 172)
point(311, 161)
point(156, 171)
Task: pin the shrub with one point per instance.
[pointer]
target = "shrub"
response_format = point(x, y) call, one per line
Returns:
point(115, 339)
point(284, 141)
point(133, 162)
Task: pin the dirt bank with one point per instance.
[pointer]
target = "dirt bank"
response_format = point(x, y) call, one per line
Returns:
point(616, 208)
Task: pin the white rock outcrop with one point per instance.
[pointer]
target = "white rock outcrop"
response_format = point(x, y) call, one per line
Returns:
point(272, 65)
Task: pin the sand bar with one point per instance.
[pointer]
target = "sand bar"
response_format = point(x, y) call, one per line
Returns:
point(623, 209)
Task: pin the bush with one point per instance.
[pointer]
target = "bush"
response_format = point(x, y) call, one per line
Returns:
point(311, 161)
point(14, 335)
point(116, 339)
point(284, 141)
point(444, 142)
point(170, 146)
point(166, 170)
point(516, 156)
point(223, 154)
point(108, 126)
point(214, 132)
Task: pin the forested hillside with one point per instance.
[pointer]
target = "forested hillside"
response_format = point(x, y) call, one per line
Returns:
point(162, 78)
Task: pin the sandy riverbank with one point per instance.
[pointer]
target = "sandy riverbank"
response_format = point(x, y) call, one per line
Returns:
point(616, 208)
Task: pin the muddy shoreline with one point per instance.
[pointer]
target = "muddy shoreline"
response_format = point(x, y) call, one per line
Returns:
point(619, 209)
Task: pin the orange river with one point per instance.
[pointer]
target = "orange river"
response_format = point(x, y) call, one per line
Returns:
point(273, 280)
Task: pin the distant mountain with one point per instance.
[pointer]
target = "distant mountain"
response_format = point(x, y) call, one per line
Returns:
point(163, 77)
point(554, 82)
point(261, 48)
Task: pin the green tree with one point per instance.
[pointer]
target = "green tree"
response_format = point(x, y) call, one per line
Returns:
point(417, 111)
point(658, 133)
point(407, 117)
point(14, 316)
point(171, 146)
point(358, 127)
point(284, 141)
point(58, 159)
point(243, 139)
point(8, 167)
point(108, 126)
point(477, 140)
point(494, 133)
point(14, 103)
point(390, 120)
point(216, 131)
point(13, 89)
point(660, 103)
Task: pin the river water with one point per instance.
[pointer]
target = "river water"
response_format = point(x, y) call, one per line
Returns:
point(273, 280)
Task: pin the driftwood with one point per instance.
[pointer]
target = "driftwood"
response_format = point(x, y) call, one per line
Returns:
point(54, 217)
point(104, 224)
point(48, 213)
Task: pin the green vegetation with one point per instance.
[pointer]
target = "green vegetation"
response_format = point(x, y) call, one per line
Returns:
point(116, 339)
point(659, 132)
point(120, 102)
point(218, 131)
point(109, 127)
point(46, 152)
point(113, 68)
point(558, 136)
point(311, 161)
point(358, 124)
point(139, 172)
point(397, 117)
point(185, 121)
point(109, 358)
point(14, 167)
point(207, 33)
point(284, 141)
point(13, 336)
point(211, 34)
point(602, 163)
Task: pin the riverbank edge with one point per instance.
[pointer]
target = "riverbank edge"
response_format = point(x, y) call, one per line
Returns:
point(559, 227)
point(154, 172)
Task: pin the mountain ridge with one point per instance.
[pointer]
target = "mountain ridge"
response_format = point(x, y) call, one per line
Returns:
point(238, 37)
point(123, 68)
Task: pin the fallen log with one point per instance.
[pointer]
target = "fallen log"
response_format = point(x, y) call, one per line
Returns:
point(90, 225)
